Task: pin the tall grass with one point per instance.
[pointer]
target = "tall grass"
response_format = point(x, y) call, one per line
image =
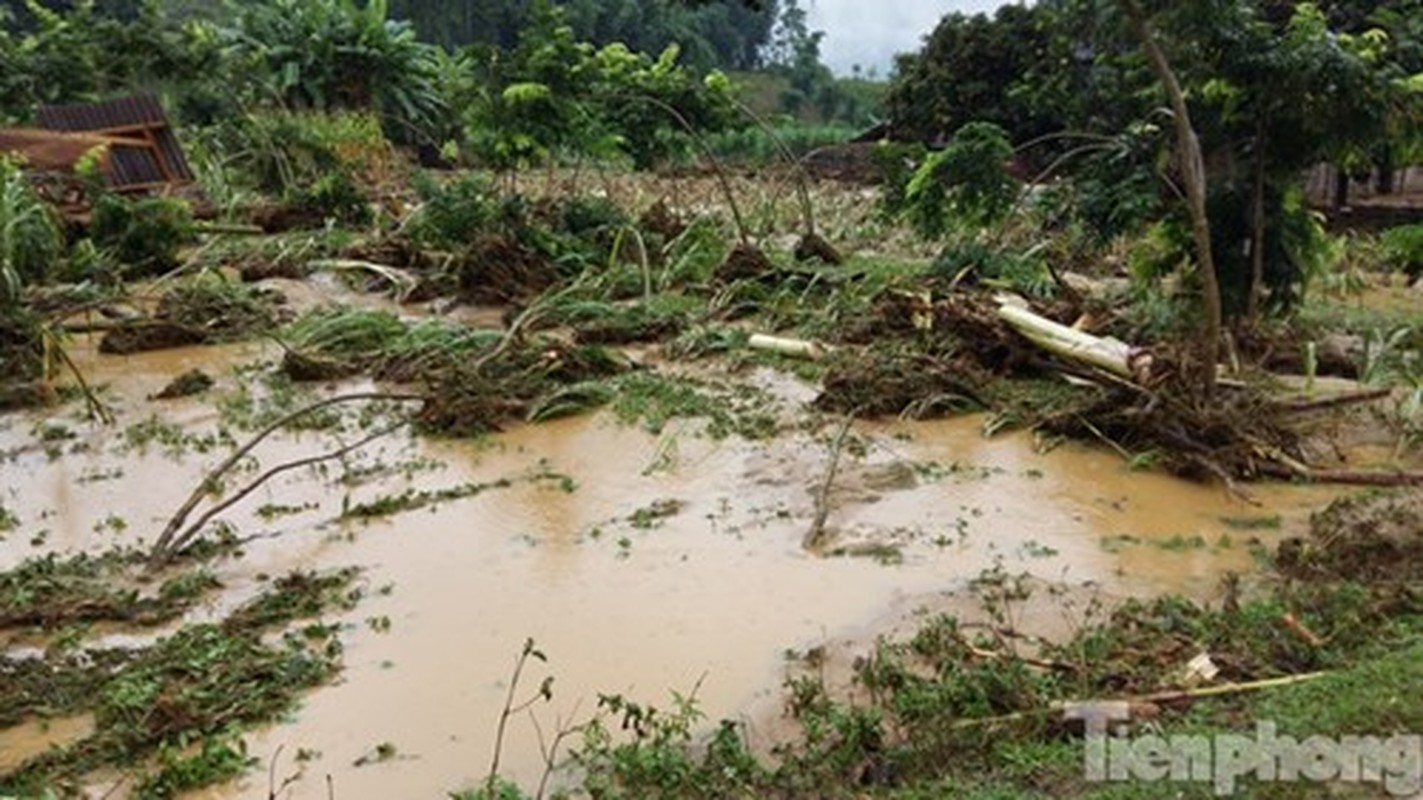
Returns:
point(370, 337)
point(30, 240)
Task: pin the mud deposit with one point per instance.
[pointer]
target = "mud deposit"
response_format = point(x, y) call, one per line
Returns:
point(663, 562)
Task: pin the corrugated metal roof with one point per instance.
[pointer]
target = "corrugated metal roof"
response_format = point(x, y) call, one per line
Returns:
point(155, 158)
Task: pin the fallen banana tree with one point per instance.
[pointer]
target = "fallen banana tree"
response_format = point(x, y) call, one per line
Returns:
point(1154, 404)
point(1104, 353)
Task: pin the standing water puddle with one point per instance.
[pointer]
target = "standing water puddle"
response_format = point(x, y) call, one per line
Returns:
point(705, 589)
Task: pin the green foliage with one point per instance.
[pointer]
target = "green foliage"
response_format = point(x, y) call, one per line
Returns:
point(726, 35)
point(978, 68)
point(754, 145)
point(30, 240)
point(452, 213)
point(181, 698)
point(1403, 248)
point(217, 760)
point(145, 234)
point(554, 96)
point(659, 761)
point(83, 54)
point(964, 185)
point(1024, 272)
point(320, 162)
point(330, 55)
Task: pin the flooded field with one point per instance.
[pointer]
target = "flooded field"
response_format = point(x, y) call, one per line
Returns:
point(640, 563)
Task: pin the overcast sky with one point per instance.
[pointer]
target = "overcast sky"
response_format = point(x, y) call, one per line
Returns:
point(870, 33)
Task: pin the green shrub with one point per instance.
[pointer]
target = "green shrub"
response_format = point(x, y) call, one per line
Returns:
point(334, 196)
point(319, 161)
point(965, 184)
point(453, 212)
point(1403, 248)
point(143, 234)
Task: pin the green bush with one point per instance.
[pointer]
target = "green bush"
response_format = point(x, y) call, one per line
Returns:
point(144, 234)
point(966, 183)
point(330, 55)
point(1403, 248)
point(336, 197)
point(453, 212)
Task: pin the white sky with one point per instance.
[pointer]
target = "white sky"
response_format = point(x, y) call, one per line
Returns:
point(870, 32)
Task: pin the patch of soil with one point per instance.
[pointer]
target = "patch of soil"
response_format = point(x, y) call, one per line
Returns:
point(27, 394)
point(631, 329)
point(852, 163)
point(745, 262)
point(278, 218)
point(254, 270)
point(814, 247)
point(139, 337)
point(222, 314)
point(1373, 538)
point(497, 269)
point(192, 382)
point(431, 286)
point(475, 400)
point(659, 219)
point(1336, 355)
point(901, 383)
point(304, 368)
point(21, 365)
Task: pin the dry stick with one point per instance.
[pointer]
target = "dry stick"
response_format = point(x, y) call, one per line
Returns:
point(717, 169)
point(209, 482)
point(1167, 696)
point(1346, 477)
point(550, 752)
point(807, 210)
point(510, 710)
point(978, 652)
point(813, 536)
point(182, 540)
point(272, 773)
point(1354, 398)
point(92, 401)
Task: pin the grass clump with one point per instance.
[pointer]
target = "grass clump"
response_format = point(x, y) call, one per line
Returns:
point(207, 309)
point(196, 687)
point(48, 592)
point(334, 342)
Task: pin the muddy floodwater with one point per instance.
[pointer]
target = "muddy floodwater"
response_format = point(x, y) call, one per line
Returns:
point(706, 589)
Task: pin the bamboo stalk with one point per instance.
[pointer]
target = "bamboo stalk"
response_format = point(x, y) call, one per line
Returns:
point(1165, 696)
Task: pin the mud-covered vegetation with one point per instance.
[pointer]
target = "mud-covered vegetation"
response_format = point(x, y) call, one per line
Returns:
point(1091, 222)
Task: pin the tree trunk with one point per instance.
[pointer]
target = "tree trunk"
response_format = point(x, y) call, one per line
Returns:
point(1384, 165)
point(1341, 188)
point(1193, 175)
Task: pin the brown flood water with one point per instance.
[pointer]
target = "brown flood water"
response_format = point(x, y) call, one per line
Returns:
point(710, 599)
